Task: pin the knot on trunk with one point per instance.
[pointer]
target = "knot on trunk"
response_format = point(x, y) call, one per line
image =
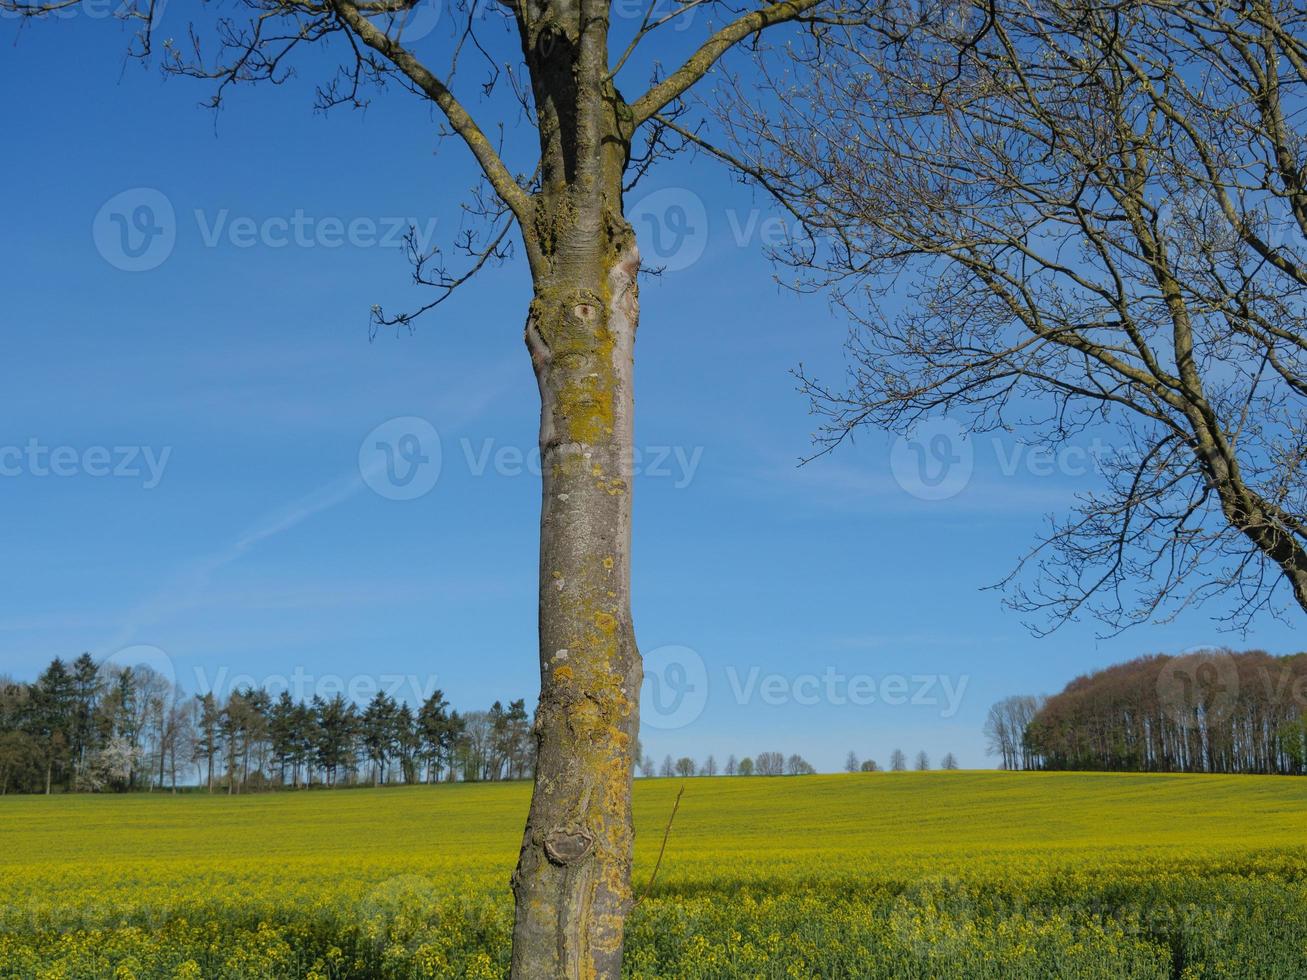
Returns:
point(566, 847)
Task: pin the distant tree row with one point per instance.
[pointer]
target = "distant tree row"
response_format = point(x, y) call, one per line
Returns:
point(1006, 726)
point(88, 727)
point(898, 762)
point(1211, 711)
point(776, 764)
point(763, 764)
point(252, 739)
point(84, 727)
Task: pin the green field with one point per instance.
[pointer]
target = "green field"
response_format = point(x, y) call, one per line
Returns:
point(880, 875)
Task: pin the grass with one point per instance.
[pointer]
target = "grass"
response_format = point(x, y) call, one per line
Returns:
point(897, 875)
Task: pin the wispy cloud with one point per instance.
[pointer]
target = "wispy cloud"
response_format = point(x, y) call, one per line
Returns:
point(189, 585)
point(870, 487)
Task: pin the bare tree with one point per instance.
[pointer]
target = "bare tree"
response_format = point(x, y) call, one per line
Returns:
point(709, 767)
point(685, 767)
point(565, 207)
point(179, 741)
point(1005, 729)
point(797, 765)
point(1094, 215)
point(898, 762)
point(851, 762)
point(769, 764)
point(732, 766)
point(949, 762)
point(923, 762)
point(1000, 739)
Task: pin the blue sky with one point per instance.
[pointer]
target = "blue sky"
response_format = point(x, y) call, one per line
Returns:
point(234, 385)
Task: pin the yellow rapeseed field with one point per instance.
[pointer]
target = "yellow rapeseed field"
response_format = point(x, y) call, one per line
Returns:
point(945, 874)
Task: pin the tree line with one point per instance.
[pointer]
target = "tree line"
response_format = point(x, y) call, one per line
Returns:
point(88, 727)
point(778, 764)
point(764, 764)
point(1213, 711)
point(898, 762)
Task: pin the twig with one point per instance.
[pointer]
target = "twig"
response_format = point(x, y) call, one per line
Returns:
point(666, 833)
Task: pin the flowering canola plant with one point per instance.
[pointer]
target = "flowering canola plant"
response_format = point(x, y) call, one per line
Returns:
point(896, 875)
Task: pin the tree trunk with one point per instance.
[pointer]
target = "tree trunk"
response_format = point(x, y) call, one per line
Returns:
point(572, 882)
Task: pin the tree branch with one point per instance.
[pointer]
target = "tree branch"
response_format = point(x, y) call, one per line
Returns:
point(702, 61)
point(505, 185)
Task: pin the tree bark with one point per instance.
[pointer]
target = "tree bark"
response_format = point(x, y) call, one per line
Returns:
point(572, 882)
